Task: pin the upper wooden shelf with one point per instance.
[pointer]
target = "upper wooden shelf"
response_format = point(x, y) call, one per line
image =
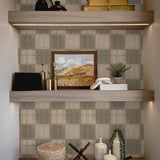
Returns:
point(80, 19)
point(81, 95)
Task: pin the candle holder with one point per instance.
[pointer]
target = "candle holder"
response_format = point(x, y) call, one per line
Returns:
point(80, 152)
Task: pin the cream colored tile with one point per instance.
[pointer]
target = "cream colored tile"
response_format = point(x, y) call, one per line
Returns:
point(58, 117)
point(118, 117)
point(102, 41)
point(31, 59)
point(42, 131)
point(102, 130)
point(72, 41)
point(133, 72)
point(132, 131)
point(132, 41)
point(88, 117)
point(42, 41)
point(72, 131)
point(28, 117)
point(102, 71)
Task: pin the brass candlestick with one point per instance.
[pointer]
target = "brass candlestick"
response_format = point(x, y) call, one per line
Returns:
point(43, 76)
point(54, 76)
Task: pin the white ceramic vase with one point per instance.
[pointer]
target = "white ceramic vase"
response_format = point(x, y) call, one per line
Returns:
point(109, 156)
point(100, 150)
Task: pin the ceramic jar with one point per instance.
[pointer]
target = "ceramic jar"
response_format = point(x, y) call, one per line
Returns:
point(100, 150)
point(109, 156)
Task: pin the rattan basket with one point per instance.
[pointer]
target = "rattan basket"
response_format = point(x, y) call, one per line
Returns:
point(51, 151)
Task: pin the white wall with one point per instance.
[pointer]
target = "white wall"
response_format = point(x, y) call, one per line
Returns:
point(9, 113)
point(151, 57)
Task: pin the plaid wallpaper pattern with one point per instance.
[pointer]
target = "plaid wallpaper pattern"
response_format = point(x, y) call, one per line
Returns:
point(80, 122)
point(70, 5)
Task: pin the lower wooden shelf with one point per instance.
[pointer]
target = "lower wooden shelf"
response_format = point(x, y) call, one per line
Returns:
point(81, 95)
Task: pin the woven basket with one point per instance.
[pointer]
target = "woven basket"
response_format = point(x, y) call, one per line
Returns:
point(51, 151)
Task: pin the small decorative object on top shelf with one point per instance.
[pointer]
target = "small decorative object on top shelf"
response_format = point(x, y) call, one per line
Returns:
point(117, 144)
point(57, 6)
point(80, 152)
point(100, 150)
point(41, 5)
point(108, 5)
point(27, 81)
point(117, 72)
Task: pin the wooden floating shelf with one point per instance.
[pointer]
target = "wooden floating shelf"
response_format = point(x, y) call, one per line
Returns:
point(81, 19)
point(81, 95)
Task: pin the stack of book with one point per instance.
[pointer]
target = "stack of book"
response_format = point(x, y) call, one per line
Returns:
point(108, 5)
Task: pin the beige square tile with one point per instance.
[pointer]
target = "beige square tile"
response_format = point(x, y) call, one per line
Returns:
point(118, 117)
point(102, 130)
point(133, 72)
point(31, 60)
point(73, 131)
point(28, 117)
point(23, 59)
point(102, 105)
point(58, 116)
point(102, 72)
point(42, 105)
point(72, 105)
point(102, 41)
point(42, 131)
point(132, 41)
point(42, 41)
point(88, 117)
point(133, 131)
point(72, 41)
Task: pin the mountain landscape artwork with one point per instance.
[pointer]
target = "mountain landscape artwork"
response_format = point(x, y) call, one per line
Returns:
point(75, 70)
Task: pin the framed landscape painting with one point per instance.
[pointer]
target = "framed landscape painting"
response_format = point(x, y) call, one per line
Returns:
point(75, 69)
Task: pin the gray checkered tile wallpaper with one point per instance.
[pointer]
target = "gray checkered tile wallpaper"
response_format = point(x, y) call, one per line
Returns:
point(80, 122)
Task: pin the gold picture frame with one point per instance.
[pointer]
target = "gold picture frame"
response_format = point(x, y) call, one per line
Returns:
point(74, 69)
